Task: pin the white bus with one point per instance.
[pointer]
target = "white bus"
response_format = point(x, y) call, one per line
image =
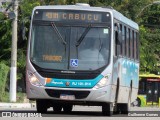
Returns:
point(82, 55)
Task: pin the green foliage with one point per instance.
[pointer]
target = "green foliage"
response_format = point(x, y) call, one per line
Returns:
point(5, 39)
point(151, 16)
point(1, 17)
point(21, 64)
point(20, 97)
point(27, 6)
point(150, 49)
point(3, 79)
point(150, 56)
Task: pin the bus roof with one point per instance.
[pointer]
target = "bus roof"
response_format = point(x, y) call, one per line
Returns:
point(117, 15)
point(149, 76)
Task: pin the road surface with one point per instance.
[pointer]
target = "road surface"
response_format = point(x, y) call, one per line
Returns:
point(82, 112)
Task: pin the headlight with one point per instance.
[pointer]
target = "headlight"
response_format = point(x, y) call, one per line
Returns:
point(103, 82)
point(34, 80)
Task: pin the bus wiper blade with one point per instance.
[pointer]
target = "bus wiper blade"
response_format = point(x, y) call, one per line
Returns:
point(58, 33)
point(83, 35)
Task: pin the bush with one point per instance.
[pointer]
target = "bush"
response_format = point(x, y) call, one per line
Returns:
point(4, 70)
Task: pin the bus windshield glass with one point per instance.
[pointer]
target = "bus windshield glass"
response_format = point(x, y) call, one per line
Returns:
point(54, 45)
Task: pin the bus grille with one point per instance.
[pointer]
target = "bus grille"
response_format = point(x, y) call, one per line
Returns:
point(57, 93)
point(77, 76)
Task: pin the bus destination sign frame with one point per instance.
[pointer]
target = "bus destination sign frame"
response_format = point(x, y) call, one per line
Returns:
point(72, 16)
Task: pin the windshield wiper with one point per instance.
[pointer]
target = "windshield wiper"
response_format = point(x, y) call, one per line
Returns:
point(58, 33)
point(101, 44)
point(83, 35)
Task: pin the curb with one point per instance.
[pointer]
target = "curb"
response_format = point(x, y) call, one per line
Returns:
point(17, 105)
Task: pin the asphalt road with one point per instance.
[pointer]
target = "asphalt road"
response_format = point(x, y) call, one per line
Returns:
point(83, 112)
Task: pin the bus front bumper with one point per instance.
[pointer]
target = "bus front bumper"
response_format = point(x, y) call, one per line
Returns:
point(70, 94)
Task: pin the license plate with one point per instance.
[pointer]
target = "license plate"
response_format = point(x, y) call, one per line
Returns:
point(67, 97)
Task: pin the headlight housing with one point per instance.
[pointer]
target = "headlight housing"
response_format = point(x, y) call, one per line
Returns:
point(103, 82)
point(34, 80)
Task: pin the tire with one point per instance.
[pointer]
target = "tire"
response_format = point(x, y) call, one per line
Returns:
point(124, 108)
point(57, 108)
point(41, 106)
point(67, 108)
point(107, 109)
point(117, 109)
point(137, 102)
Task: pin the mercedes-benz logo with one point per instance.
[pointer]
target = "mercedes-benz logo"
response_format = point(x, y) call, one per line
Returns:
point(67, 83)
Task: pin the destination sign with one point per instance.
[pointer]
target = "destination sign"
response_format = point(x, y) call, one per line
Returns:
point(69, 16)
point(72, 16)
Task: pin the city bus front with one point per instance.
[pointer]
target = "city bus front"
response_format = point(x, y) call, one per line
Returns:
point(68, 56)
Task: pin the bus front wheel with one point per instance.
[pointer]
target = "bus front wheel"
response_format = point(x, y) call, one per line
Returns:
point(41, 106)
point(107, 109)
point(67, 108)
point(57, 108)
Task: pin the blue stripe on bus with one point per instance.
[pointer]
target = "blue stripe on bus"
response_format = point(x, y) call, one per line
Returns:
point(74, 83)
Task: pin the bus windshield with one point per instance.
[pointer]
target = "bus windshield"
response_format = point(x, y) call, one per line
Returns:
point(49, 52)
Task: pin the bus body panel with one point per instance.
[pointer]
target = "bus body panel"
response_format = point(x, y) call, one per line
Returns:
point(126, 71)
point(99, 95)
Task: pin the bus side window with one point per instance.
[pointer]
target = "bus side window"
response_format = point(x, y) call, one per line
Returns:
point(128, 39)
point(121, 44)
point(118, 39)
point(125, 40)
point(130, 43)
point(137, 43)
